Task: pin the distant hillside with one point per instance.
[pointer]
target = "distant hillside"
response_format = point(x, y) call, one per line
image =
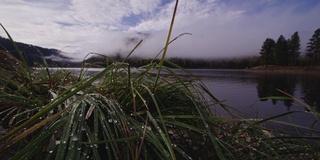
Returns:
point(33, 54)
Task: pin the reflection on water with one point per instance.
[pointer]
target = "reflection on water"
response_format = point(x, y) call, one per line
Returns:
point(269, 85)
point(305, 86)
point(310, 91)
point(246, 91)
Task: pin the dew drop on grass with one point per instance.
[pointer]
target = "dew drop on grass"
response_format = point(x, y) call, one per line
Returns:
point(115, 121)
point(74, 138)
point(51, 151)
point(110, 120)
point(166, 153)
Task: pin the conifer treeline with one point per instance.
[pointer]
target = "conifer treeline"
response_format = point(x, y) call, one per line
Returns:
point(286, 52)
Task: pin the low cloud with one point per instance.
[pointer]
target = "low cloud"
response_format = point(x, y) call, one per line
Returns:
point(219, 28)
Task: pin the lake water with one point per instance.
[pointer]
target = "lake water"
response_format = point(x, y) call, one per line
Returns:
point(245, 90)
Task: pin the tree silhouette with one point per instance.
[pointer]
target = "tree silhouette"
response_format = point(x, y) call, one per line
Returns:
point(313, 48)
point(267, 50)
point(281, 51)
point(294, 49)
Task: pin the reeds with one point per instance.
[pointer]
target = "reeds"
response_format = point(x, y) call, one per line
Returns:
point(127, 113)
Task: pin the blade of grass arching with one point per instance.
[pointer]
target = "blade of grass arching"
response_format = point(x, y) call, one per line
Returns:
point(25, 64)
point(275, 98)
point(65, 140)
point(28, 151)
point(293, 125)
point(16, 99)
point(166, 45)
point(182, 152)
point(93, 148)
point(4, 48)
point(274, 117)
point(14, 84)
point(313, 125)
point(74, 147)
point(125, 59)
point(201, 85)
point(82, 71)
point(72, 122)
point(185, 125)
point(214, 139)
point(297, 137)
point(143, 131)
point(112, 130)
point(167, 139)
point(180, 35)
point(108, 136)
point(164, 138)
point(28, 131)
point(64, 96)
point(225, 107)
point(45, 65)
point(315, 113)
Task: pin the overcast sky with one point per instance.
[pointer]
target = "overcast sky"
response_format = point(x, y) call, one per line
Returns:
point(219, 28)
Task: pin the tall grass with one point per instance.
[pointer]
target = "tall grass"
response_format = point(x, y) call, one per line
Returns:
point(127, 113)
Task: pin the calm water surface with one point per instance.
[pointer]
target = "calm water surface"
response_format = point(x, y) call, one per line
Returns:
point(245, 90)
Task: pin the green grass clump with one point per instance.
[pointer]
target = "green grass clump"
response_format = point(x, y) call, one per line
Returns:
point(123, 112)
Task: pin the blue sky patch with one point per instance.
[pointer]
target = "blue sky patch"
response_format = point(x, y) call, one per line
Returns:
point(131, 20)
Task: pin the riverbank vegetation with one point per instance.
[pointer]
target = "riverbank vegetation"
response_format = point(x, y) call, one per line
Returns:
point(118, 113)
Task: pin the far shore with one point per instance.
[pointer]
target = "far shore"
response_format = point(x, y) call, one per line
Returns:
point(285, 68)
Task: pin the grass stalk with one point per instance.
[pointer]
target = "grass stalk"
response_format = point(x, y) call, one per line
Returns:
point(167, 43)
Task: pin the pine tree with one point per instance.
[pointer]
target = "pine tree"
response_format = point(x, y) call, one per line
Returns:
point(294, 49)
point(281, 51)
point(267, 51)
point(313, 48)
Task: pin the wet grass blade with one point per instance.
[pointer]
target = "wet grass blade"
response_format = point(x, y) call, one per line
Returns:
point(22, 58)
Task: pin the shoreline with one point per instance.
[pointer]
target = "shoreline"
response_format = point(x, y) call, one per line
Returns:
point(275, 68)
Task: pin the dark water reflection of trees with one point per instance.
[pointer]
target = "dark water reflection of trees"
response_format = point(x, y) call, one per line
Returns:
point(268, 85)
point(311, 92)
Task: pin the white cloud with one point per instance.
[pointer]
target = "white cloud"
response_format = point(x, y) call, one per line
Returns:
point(219, 28)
